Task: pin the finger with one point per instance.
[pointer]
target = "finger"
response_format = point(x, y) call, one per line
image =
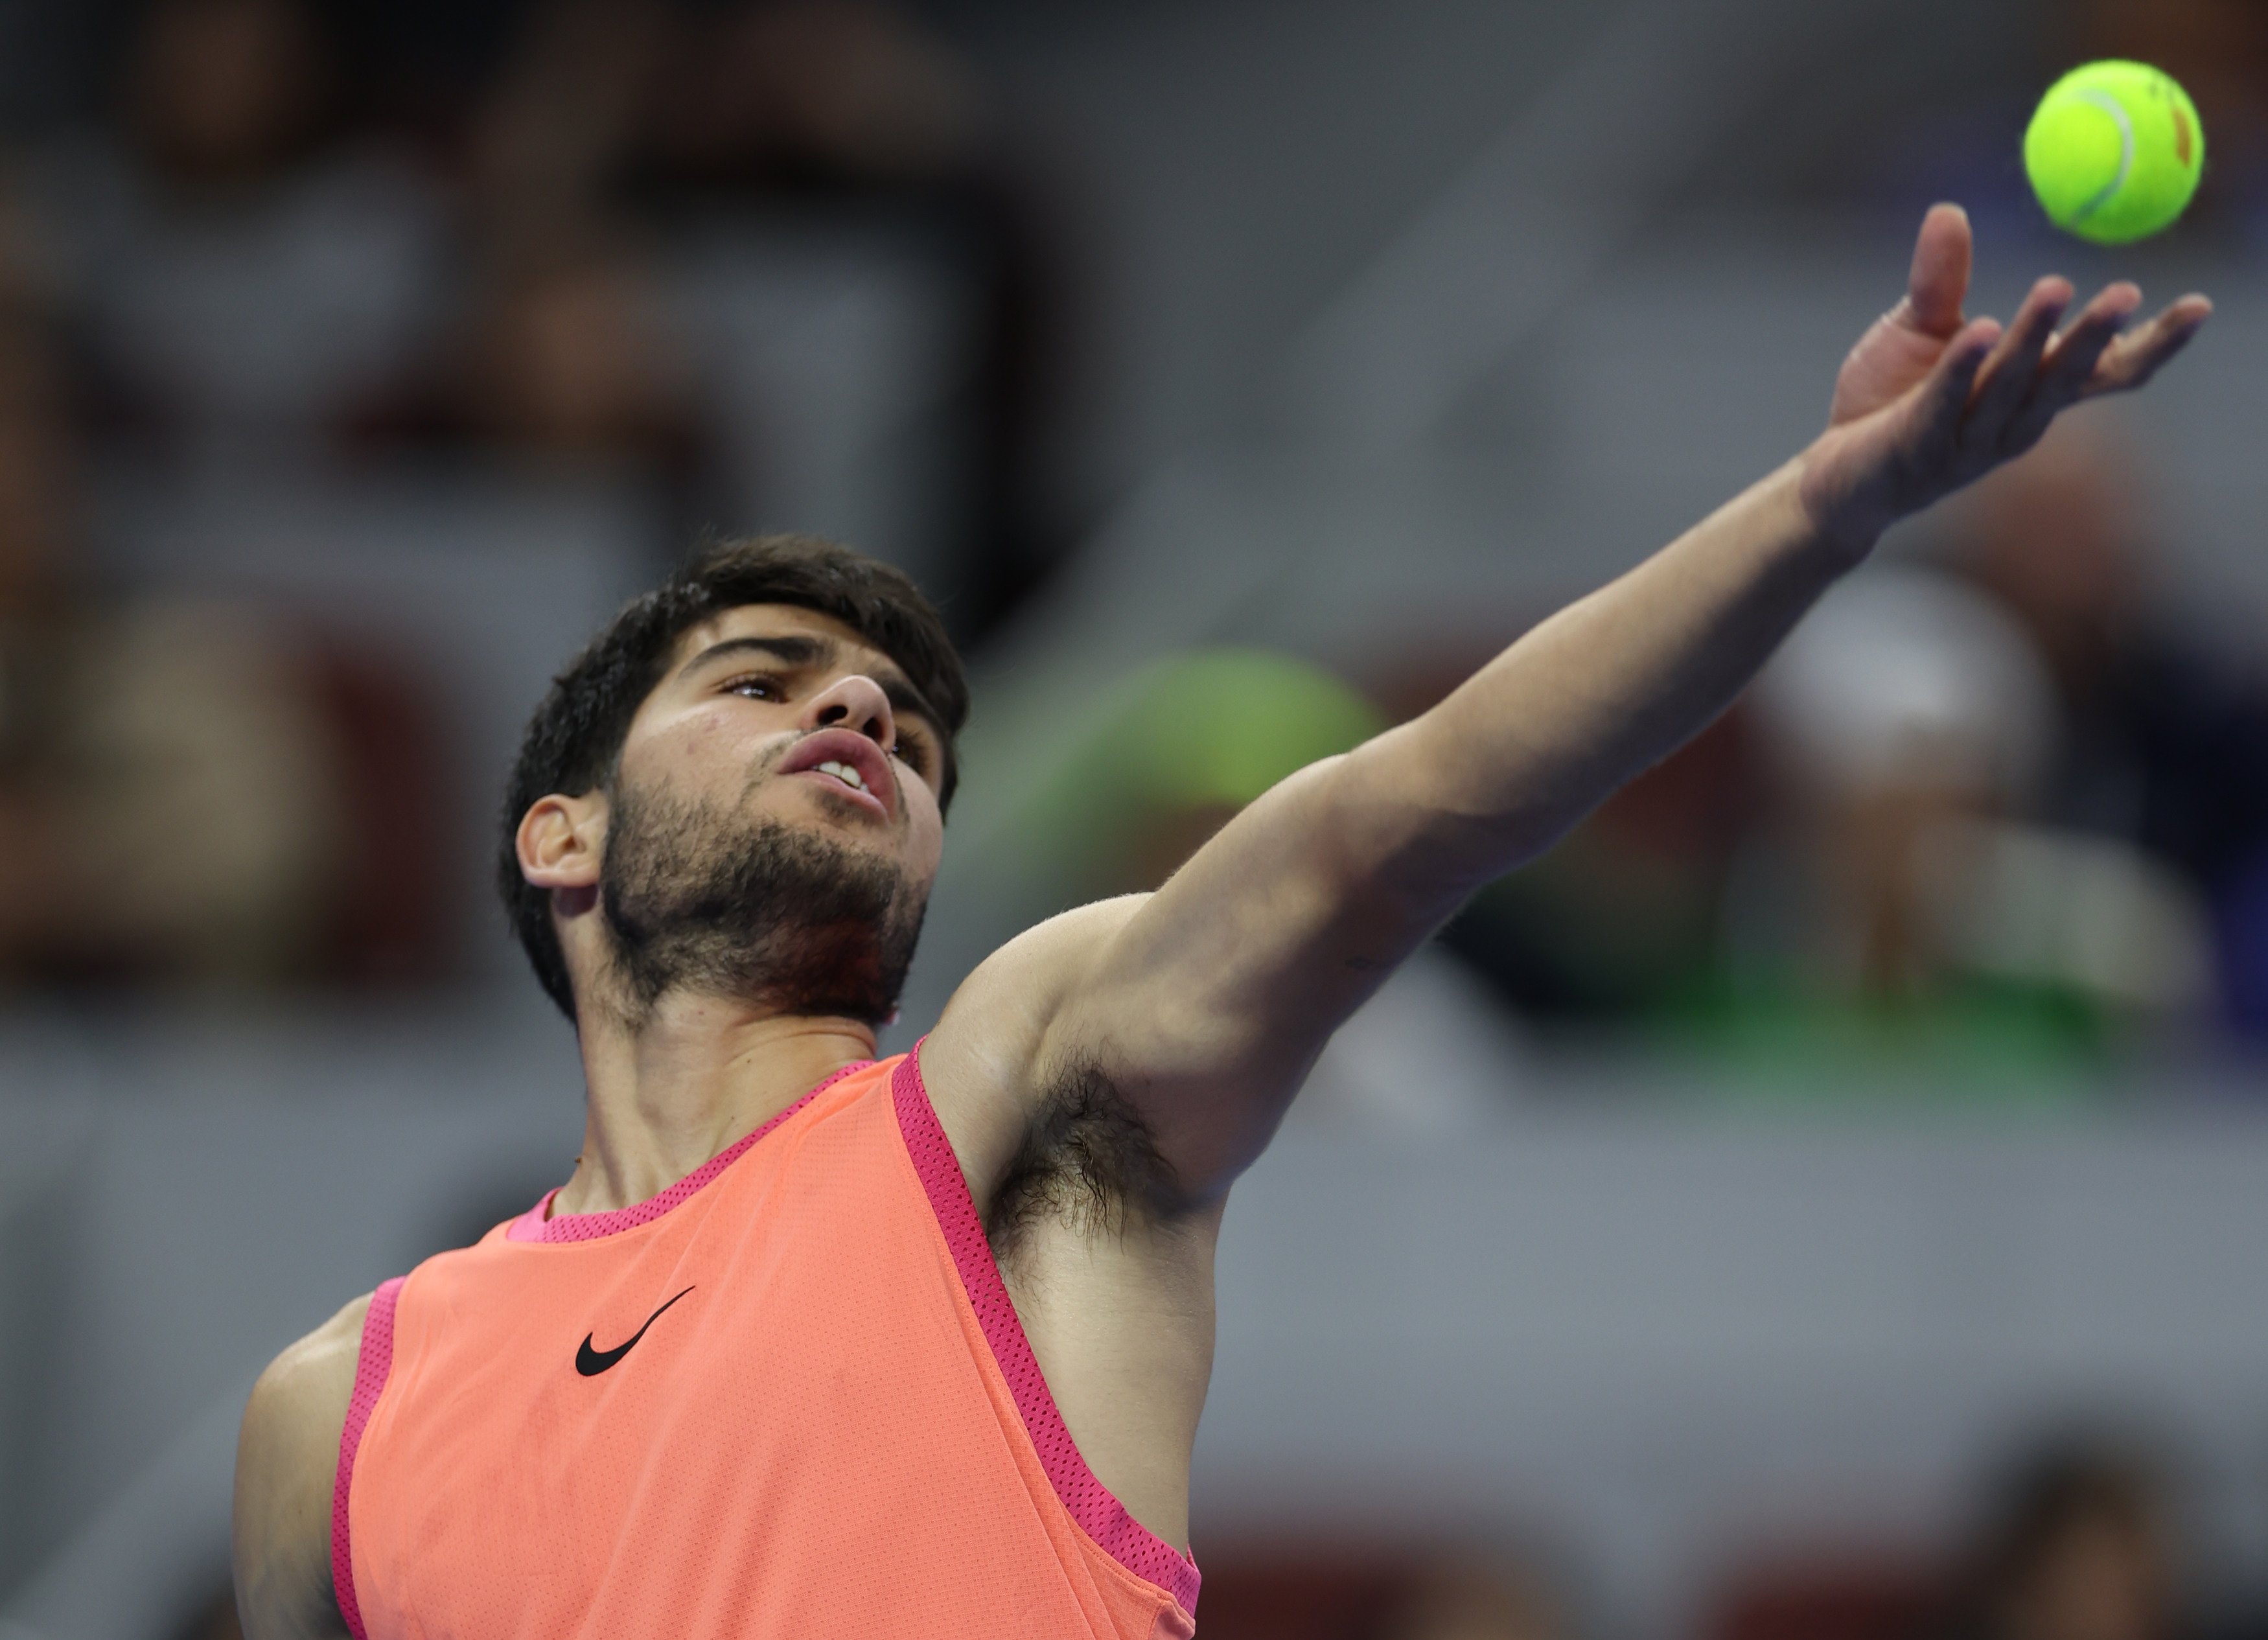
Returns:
point(1938, 281)
point(2070, 364)
point(1942, 399)
point(2136, 356)
point(2006, 377)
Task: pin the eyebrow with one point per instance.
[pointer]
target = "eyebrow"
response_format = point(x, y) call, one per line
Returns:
point(811, 653)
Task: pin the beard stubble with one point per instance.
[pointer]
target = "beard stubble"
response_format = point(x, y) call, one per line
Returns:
point(753, 909)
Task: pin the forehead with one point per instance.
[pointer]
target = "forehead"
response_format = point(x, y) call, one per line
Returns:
point(852, 653)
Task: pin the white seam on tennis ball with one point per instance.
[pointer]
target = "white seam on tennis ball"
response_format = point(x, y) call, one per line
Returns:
point(2116, 110)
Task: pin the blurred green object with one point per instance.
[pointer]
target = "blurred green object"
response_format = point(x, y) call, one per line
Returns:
point(1974, 1041)
point(1219, 727)
point(1177, 747)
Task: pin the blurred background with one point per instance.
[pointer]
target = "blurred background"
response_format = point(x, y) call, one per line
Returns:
point(1821, 1200)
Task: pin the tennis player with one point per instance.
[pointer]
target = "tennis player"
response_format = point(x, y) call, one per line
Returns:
point(816, 1345)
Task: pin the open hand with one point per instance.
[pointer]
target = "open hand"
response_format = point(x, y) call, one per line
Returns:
point(1929, 400)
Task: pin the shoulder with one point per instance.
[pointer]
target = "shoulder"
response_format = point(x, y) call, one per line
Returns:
point(302, 1395)
point(286, 1464)
point(984, 1064)
point(1048, 955)
point(1003, 1009)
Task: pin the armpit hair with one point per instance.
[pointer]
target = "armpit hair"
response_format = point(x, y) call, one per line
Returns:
point(1086, 1159)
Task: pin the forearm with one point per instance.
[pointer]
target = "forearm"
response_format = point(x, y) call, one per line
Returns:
point(1604, 688)
point(1210, 1000)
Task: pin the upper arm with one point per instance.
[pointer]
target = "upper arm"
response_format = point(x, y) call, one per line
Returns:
point(1204, 1005)
point(984, 1064)
point(286, 1464)
point(1208, 1006)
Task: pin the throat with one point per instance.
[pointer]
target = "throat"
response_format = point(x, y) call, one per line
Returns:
point(688, 1086)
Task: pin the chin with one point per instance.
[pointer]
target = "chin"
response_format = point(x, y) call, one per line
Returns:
point(842, 823)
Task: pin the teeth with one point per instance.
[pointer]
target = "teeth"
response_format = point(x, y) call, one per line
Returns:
point(844, 773)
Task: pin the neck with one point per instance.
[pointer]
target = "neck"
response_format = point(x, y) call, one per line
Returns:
point(692, 1078)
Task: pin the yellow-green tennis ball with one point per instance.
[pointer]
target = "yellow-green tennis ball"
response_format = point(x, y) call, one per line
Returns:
point(2115, 152)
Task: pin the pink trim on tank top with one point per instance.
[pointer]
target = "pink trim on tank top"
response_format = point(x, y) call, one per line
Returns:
point(372, 1363)
point(538, 1224)
point(1099, 1514)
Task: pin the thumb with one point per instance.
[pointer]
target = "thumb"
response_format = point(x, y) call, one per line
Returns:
point(1938, 281)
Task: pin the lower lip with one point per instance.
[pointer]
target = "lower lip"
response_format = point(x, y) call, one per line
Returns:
point(841, 790)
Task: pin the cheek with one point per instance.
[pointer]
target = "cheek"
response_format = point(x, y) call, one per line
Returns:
point(925, 840)
point(703, 757)
point(705, 748)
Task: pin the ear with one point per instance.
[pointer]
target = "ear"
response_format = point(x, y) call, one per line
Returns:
point(560, 842)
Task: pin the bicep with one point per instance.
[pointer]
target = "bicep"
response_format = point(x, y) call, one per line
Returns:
point(286, 1464)
point(1209, 1003)
point(1203, 1005)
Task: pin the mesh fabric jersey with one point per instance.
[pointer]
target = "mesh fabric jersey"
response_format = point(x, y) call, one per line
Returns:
point(789, 1395)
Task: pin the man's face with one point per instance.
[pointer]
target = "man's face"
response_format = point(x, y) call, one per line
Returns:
point(774, 824)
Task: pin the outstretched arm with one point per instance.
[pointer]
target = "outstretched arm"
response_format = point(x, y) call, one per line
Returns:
point(1204, 1005)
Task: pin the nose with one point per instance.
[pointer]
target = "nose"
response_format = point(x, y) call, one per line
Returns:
point(855, 703)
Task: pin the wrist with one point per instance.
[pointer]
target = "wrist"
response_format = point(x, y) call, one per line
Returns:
point(1839, 511)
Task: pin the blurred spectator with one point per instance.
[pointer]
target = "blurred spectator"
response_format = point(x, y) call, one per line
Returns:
point(248, 269)
point(859, 265)
point(2080, 1546)
point(1911, 722)
point(1341, 1592)
point(561, 364)
point(1859, 858)
point(2076, 1542)
point(1831, 1595)
point(2164, 746)
point(818, 91)
point(168, 787)
point(852, 108)
point(1463, 1601)
point(193, 793)
point(551, 137)
point(560, 361)
point(568, 359)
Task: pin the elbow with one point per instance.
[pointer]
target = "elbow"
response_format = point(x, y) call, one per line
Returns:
point(1411, 826)
point(1450, 856)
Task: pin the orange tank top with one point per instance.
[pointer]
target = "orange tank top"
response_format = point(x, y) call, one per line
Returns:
point(787, 1396)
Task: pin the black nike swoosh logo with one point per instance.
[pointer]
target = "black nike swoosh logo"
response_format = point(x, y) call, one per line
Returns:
point(590, 1362)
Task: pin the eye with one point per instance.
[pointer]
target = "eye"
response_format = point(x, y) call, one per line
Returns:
point(756, 688)
point(910, 751)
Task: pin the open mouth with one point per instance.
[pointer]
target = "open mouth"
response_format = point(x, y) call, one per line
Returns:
point(851, 764)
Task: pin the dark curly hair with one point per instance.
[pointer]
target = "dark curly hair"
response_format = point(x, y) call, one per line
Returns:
point(574, 740)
